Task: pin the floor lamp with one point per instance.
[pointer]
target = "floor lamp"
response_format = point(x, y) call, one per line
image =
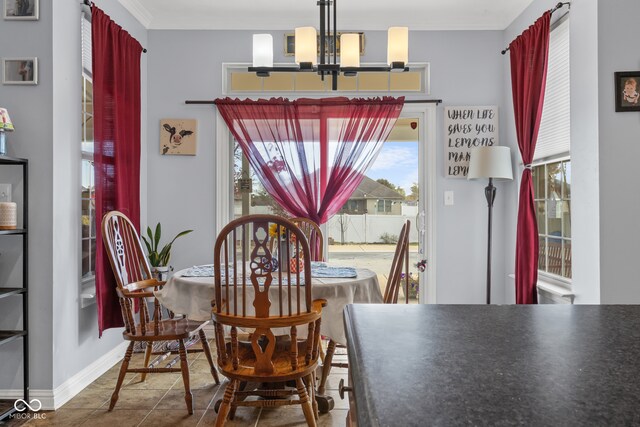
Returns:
point(493, 162)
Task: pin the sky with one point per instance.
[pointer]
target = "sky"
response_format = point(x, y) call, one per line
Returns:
point(398, 163)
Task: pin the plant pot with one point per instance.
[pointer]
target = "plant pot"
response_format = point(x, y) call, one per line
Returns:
point(413, 289)
point(161, 273)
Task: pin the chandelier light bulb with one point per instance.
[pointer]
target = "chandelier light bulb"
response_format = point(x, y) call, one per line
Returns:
point(262, 50)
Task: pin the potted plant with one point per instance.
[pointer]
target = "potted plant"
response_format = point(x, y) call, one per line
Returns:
point(159, 260)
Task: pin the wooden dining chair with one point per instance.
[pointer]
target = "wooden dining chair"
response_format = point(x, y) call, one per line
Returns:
point(314, 236)
point(134, 285)
point(400, 262)
point(277, 309)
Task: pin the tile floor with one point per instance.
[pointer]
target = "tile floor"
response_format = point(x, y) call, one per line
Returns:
point(160, 402)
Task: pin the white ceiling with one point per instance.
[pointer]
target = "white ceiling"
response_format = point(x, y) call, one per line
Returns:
point(352, 14)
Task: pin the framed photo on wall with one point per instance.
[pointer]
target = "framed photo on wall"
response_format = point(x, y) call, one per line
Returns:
point(20, 71)
point(21, 10)
point(627, 87)
point(178, 136)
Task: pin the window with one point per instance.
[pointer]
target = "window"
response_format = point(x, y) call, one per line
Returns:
point(552, 189)
point(240, 81)
point(384, 206)
point(87, 194)
point(552, 161)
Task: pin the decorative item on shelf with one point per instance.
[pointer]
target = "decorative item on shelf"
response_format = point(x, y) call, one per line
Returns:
point(8, 216)
point(5, 126)
point(493, 162)
point(324, 60)
point(159, 260)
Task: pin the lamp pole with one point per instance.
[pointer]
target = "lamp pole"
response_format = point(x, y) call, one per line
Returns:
point(490, 194)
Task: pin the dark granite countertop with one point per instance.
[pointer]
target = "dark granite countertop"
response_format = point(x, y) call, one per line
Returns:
point(544, 365)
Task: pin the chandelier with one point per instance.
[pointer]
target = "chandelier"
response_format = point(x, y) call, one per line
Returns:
point(325, 63)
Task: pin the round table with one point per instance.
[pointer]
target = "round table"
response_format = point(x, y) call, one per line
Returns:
point(192, 297)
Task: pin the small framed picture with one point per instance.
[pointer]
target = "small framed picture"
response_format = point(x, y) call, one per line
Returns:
point(178, 136)
point(21, 10)
point(627, 90)
point(20, 71)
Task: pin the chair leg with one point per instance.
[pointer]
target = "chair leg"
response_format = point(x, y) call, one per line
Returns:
point(311, 389)
point(123, 372)
point(184, 366)
point(147, 357)
point(207, 353)
point(229, 394)
point(326, 366)
point(306, 405)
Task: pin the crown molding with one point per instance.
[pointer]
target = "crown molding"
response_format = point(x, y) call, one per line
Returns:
point(139, 12)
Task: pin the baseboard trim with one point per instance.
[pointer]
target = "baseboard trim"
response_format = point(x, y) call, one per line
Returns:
point(54, 399)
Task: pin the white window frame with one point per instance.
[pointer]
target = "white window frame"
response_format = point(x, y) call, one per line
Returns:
point(87, 284)
point(229, 68)
point(543, 275)
point(557, 153)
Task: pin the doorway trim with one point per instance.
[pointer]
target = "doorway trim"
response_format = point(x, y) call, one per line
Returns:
point(426, 115)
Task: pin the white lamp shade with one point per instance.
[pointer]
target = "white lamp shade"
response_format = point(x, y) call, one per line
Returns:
point(306, 45)
point(350, 50)
point(5, 120)
point(398, 45)
point(490, 162)
point(262, 50)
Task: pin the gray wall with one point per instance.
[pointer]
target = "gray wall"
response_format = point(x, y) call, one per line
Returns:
point(30, 109)
point(76, 342)
point(63, 335)
point(584, 148)
point(465, 70)
point(619, 152)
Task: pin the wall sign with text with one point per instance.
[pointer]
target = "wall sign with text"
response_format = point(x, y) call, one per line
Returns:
point(464, 129)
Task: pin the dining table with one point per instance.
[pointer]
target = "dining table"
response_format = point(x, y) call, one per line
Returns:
point(538, 365)
point(190, 292)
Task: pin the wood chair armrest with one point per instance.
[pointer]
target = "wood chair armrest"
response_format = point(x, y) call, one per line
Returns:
point(144, 294)
point(317, 305)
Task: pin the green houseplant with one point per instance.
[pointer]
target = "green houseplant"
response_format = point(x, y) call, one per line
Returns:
point(159, 260)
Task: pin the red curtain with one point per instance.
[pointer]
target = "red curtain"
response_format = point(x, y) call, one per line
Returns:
point(529, 56)
point(311, 154)
point(116, 100)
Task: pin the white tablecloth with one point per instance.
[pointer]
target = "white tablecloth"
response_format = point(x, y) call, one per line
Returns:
point(192, 296)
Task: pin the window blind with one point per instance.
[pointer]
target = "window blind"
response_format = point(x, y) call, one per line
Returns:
point(554, 137)
point(86, 45)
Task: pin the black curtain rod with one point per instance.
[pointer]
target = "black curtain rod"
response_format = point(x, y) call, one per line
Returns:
point(88, 3)
point(406, 101)
point(557, 6)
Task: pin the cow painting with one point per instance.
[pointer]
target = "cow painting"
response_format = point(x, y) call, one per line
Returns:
point(178, 136)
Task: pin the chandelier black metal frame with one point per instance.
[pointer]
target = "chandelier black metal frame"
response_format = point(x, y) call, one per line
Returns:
point(327, 64)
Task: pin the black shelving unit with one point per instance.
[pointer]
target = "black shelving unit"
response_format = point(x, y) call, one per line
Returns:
point(7, 406)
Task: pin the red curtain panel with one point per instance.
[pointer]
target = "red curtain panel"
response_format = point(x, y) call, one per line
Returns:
point(529, 56)
point(311, 154)
point(116, 98)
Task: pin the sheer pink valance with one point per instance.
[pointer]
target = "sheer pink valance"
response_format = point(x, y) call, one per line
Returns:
point(311, 154)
